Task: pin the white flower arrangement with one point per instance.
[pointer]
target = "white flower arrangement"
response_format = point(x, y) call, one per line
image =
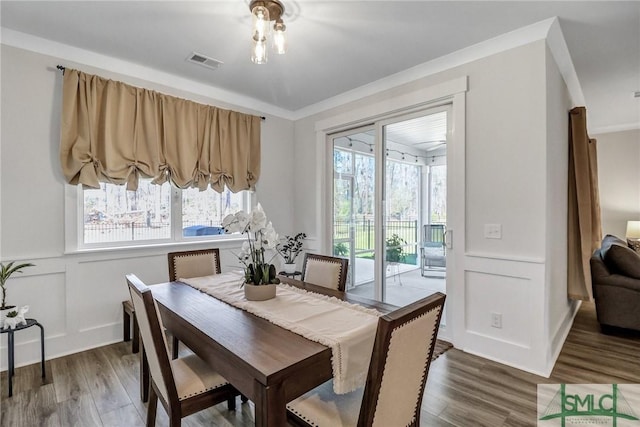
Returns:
point(260, 236)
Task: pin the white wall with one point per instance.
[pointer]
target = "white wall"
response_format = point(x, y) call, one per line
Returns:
point(512, 135)
point(508, 162)
point(560, 310)
point(619, 179)
point(77, 297)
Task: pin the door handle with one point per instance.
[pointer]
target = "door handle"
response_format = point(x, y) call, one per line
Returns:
point(448, 239)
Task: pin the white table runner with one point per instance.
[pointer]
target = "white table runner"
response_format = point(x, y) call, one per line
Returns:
point(348, 329)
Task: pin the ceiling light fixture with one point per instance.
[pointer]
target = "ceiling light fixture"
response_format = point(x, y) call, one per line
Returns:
point(265, 12)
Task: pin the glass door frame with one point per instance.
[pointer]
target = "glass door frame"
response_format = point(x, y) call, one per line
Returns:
point(351, 239)
point(380, 204)
point(380, 199)
point(449, 92)
point(351, 276)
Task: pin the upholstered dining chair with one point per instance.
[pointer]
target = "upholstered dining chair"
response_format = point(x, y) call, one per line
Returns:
point(185, 264)
point(184, 386)
point(392, 395)
point(327, 271)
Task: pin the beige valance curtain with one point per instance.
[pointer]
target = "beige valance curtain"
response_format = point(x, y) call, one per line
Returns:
point(114, 132)
point(584, 227)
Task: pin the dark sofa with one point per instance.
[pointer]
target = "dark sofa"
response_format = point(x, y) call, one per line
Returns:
point(615, 277)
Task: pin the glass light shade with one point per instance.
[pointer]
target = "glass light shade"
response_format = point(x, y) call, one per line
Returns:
point(633, 229)
point(280, 38)
point(260, 22)
point(259, 51)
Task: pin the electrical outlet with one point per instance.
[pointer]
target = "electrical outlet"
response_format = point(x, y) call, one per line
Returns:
point(493, 231)
point(496, 320)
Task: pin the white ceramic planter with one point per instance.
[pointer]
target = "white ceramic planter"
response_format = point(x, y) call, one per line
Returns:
point(4, 312)
point(260, 292)
point(290, 268)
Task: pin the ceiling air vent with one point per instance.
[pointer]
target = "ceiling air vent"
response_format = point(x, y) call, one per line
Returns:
point(205, 61)
point(636, 94)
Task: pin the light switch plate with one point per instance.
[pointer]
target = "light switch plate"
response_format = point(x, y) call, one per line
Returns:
point(493, 231)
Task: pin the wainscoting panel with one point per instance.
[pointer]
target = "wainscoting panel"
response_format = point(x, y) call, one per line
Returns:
point(78, 297)
point(481, 290)
point(514, 290)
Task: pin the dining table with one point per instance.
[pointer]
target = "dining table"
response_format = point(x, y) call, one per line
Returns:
point(268, 364)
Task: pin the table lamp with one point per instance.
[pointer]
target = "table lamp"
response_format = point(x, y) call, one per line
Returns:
point(633, 235)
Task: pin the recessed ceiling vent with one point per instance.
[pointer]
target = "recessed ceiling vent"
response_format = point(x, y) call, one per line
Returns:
point(205, 61)
point(636, 94)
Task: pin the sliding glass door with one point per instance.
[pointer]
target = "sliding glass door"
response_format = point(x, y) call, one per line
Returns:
point(389, 205)
point(353, 206)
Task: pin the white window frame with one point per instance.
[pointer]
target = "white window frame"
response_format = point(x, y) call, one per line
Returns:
point(74, 225)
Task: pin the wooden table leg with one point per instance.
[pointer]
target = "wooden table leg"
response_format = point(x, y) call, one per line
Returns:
point(270, 406)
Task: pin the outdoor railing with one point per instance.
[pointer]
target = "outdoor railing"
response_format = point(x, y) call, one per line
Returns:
point(364, 235)
point(126, 231)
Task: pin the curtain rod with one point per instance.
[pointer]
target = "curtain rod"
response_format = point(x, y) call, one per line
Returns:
point(62, 68)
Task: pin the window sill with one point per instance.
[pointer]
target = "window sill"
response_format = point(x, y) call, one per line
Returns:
point(162, 247)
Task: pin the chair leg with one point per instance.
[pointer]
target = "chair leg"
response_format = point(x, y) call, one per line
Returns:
point(145, 384)
point(175, 347)
point(231, 403)
point(175, 420)
point(135, 345)
point(126, 326)
point(151, 410)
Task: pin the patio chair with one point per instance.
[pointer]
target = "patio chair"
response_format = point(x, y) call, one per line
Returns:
point(433, 250)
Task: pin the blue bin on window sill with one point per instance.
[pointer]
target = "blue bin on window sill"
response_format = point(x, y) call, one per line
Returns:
point(201, 230)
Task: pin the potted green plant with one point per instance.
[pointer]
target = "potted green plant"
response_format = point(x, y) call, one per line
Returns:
point(289, 249)
point(395, 252)
point(340, 249)
point(6, 270)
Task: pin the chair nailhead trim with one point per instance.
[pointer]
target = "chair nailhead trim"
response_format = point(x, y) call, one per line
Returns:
point(424, 368)
point(203, 391)
point(302, 417)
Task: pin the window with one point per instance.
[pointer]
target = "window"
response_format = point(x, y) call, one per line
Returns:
point(113, 216)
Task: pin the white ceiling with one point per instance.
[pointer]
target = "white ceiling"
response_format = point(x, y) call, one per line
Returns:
point(340, 46)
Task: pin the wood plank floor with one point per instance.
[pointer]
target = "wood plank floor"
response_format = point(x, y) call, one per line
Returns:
point(100, 387)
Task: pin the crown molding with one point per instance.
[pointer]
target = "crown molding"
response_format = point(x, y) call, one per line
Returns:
point(560, 52)
point(66, 53)
point(614, 128)
point(501, 43)
point(548, 29)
